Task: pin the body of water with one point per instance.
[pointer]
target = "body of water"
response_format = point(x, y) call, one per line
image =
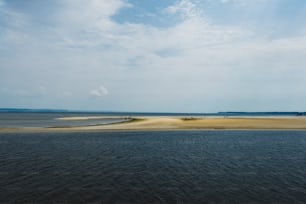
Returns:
point(153, 167)
point(19, 120)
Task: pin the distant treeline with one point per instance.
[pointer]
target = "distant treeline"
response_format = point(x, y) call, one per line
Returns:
point(26, 110)
point(263, 113)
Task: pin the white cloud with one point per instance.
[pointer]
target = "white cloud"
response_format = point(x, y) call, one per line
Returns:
point(90, 13)
point(100, 91)
point(212, 66)
point(185, 8)
point(244, 2)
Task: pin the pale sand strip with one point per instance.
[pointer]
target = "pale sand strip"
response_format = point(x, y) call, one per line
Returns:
point(186, 123)
point(90, 117)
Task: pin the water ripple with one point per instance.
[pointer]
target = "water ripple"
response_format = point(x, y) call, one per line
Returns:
point(153, 167)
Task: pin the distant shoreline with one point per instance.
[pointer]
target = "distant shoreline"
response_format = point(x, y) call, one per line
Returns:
point(132, 113)
point(151, 123)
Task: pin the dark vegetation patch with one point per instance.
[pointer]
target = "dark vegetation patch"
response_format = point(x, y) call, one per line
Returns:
point(189, 119)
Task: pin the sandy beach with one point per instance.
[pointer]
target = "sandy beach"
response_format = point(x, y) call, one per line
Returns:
point(181, 123)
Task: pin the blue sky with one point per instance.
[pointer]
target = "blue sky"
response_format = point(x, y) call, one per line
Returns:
point(161, 55)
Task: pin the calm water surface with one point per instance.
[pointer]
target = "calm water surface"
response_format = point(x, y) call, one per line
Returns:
point(17, 120)
point(153, 167)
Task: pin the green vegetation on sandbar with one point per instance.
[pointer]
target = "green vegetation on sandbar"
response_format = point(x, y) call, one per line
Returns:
point(189, 119)
point(132, 120)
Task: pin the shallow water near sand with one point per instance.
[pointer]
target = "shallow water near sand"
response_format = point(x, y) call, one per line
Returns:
point(19, 120)
point(153, 167)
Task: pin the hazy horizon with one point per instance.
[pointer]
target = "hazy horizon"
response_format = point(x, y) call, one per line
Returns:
point(52, 110)
point(187, 56)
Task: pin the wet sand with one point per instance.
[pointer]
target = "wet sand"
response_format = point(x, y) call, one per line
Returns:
point(181, 123)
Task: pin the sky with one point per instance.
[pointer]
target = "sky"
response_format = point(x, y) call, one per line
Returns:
point(153, 55)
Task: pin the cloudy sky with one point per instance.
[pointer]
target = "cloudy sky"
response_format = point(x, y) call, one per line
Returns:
point(153, 55)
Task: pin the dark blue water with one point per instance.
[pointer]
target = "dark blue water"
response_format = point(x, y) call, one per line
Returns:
point(153, 167)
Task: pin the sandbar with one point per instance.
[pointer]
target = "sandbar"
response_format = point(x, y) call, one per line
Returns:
point(182, 123)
